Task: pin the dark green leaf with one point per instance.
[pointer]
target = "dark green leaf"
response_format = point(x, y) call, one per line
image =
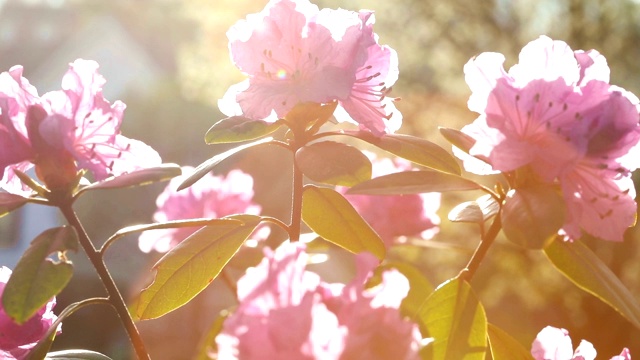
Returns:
point(532, 216)
point(331, 216)
point(417, 150)
point(137, 178)
point(10, 202)
point(456, 320)
point(413, 182)
point(188, 268)
point(505, 347)
point(76, 354)
point(238, 129)
point(581, 266)
point(333, 163)
point(36, 279)
point(208, 165)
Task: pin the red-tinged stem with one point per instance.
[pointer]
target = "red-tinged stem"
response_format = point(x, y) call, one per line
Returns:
point(115, 298)
point(481, 251)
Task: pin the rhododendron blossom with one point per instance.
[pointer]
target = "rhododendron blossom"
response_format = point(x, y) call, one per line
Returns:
point(555, 344)
point(293, 53)
point(396, 216)
point(75, 122)
point(556, 113)
point(211, 197)
point(286, 312)
point(17, 340)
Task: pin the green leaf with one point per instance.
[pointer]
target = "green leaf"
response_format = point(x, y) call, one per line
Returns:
point(36, 279)
point(477, 211)
point(532, 216)
point(333, 163)
point(137, 178)
point(188, 268)
point(208, 165)
point(419, 289)
point(10, 202)
point(505, 347)
point(76, 354)
point(207, 345)
point(413, 182)
point(238, 129)
point(580, 265)
point(332, 217)
point(456, 320)
point(414, 149)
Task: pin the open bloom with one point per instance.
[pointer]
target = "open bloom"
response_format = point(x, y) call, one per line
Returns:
point(556, 113)
point(73, 127)
point(211, 197)
point(395, 216)
point(287, 312)
point(293, 52)
point(555, 344)
point(17, 340)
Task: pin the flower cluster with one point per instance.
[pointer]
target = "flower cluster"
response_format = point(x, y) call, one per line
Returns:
point(555, 114)
point(64, 131)
point(17, 340)
point(287, 312)
point(294, 53)
point(555, 344)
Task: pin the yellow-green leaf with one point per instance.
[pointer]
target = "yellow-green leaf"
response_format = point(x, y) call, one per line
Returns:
point(505, 347)
point(419, 287)
point(413, 182)
point(238, 129)
point(10, 202)
point(333, 163)
point(137, 178)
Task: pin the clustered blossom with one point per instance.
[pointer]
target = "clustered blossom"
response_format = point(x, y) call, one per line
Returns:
point(287, 312)
point(65, 130)
point(555, 344)
point(556, 113)
point(293, 52)
point(396, 216)
point(211, 197)
point(17, 340)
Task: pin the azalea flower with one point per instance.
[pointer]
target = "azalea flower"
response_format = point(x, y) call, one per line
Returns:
point(212, 197)
point(17, 340)
point(555, 344)
point(556, 114)
point(396, 216)
point(293, 52)
point(74, 127)
point(287, 312)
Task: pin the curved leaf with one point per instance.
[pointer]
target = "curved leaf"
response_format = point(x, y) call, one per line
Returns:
point(238, 129)
point(333, 163)
point(414, 149)
point(505, 347)
point(36, 279)
point(76, 354)
point(332, 217)
point(456, 320)
point(477, 211)
point(208, 165)
point(413, 182)
point(580, 265)
point(207, 345)
point(458, 139)
point(10, 202)
point(188, 268)
point(137, 178)
point(532, 216)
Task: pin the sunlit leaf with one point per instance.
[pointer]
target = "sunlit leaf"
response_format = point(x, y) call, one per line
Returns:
point(413, 182)
point(207, 345)
point(10, 202)
point(137, 178)
point(188, 268)
point(333, 163)
point(420, 287)
point(332, 217)
point(417, 150)
point(309, 116)
point(458, 139)
point(456, 320)
point(580, 265)
point(36, 279)
point(238, 129)
point(532, 216)
point(505, 347)
point(208, 165)
point(477, 211)
point(76, 354)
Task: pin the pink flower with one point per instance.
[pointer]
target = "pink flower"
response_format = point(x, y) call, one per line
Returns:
point(17, 340)
point(396, 216)
point(556, 113)
point(212, 197)
point(555, 344)
point(286, 312)
point(293, 52)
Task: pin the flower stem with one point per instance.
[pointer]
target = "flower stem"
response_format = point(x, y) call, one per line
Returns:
point(115, 298)
point(296, 204)
point(481, 251)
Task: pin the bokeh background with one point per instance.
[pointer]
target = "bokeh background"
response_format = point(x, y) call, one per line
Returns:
point(168, 61)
